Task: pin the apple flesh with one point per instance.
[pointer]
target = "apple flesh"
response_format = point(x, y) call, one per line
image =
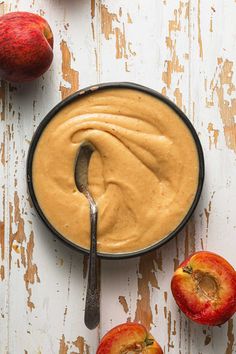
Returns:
point(204, 288)
point(128, 338)
point(26, 46)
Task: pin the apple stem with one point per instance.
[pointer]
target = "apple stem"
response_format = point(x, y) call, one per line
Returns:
point(137, 347)
point(188, 269)
point(149, 341)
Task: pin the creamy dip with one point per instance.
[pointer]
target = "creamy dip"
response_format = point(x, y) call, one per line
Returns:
point(143, 176)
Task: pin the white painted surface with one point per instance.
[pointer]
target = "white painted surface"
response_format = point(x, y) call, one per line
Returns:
point(185, 49)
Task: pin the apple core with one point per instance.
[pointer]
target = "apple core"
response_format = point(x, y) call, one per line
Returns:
point(205, 283)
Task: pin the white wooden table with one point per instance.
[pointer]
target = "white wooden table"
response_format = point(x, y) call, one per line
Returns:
point(184, 49)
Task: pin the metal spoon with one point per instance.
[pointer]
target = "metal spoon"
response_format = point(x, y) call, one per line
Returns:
point(92, 305)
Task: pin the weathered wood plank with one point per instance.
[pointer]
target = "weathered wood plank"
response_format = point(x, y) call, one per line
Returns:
point(46, 280)
point(212, 102)
point(3, 214)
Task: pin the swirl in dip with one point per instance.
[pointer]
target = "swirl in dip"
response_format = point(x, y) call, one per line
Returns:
point(143, 175)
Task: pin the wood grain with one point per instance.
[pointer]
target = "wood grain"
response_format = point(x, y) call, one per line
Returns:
point(182, 48)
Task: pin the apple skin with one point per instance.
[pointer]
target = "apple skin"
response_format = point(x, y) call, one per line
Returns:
point(125, 337)
point(204, 288)
point(26, 46)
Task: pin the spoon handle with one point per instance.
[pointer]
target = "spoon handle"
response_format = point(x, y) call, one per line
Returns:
point(92, 305)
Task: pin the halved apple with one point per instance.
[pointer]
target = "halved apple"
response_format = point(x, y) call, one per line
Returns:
point(128, 338)
point(204, 288)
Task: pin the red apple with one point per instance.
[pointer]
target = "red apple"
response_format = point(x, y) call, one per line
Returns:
point(26, 43)
point(204, 288)
point(128, 338)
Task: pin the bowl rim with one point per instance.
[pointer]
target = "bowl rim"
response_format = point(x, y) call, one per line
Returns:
point(87, 91)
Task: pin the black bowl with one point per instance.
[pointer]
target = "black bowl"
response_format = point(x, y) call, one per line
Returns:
point(87, 91)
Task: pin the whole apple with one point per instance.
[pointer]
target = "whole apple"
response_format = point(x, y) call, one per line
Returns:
point(26, 46)
point(204, 288)
point(128, 338)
